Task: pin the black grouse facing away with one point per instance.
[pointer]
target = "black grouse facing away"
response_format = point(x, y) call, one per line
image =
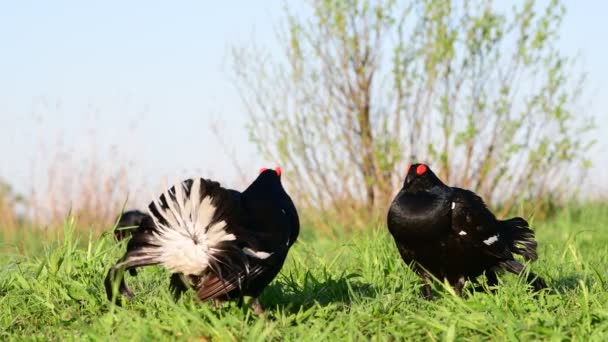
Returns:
point(222, 243)
point(449, 233)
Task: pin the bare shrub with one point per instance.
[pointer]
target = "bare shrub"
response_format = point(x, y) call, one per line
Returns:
point(363, 88)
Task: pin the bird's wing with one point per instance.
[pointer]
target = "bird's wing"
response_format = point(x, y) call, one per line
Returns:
point(219, 285)
point(477, 225)
point(263, 250)
point(291, 214)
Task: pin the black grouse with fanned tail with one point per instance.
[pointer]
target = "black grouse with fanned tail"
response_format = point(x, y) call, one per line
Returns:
point(449, 233)
point(221, 243)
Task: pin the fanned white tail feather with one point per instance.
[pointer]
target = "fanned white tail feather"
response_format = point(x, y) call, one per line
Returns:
point(187, 237)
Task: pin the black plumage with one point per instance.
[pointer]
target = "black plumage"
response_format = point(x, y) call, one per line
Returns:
point(245, 237)
point(449, 233)
point(128, 221)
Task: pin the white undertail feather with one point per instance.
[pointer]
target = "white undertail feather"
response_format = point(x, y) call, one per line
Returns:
point(187, 241)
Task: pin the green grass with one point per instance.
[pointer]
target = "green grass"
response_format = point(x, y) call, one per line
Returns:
point(355, 289)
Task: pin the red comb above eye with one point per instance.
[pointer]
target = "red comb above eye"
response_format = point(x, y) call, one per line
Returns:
point(421, 169)
point(278, 171)
point(263, 169)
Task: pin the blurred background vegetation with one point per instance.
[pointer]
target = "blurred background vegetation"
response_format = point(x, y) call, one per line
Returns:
point(361, 88)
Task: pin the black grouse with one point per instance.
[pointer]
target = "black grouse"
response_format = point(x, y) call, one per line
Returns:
point(128, 221)
point(222, 243)
point(449, 233)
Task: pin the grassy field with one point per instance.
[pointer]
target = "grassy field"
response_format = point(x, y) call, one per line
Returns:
point(353, 289)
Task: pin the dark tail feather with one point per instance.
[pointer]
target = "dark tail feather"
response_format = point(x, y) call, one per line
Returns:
point(521, 237)
point(513, 266)
point(128, 263)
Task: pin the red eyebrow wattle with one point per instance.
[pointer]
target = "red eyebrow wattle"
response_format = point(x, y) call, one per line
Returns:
point(421, 169)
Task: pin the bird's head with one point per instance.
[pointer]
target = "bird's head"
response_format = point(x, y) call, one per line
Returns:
point(420, 177)
point(276, 172)
point(269, 177)
point(267, 183)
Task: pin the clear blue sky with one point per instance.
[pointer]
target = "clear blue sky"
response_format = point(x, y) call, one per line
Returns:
point(68, 69)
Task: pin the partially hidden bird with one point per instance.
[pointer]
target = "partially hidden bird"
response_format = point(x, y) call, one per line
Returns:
point(450, 234)
point(128, 221)
point(221, 243)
